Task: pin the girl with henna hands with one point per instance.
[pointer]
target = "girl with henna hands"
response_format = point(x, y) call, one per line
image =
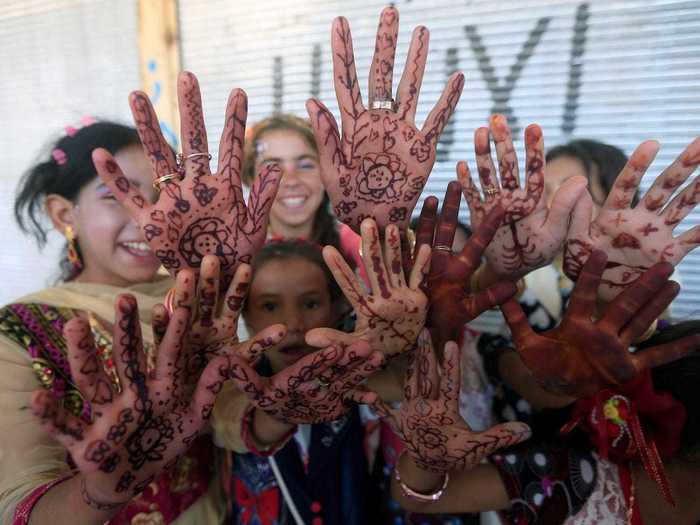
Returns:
point(106, 256)
point(302, 207)
point(297, 442)
point(632, 412)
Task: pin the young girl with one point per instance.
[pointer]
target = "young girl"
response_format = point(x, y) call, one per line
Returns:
point(301, 207)
point(106, 256)
point(321, 472)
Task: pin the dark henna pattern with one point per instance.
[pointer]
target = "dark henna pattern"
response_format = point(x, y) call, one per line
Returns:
point(143, 427)
point(428, 422)
point(531, 234)
point(636, 238)
point(205, 211)
point(381, 153)
point(581, 357)
point(296, 395)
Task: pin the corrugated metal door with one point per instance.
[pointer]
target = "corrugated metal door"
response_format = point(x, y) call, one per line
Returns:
point(617, 71)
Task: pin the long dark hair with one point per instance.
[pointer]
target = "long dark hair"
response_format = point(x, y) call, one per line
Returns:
point(325, 229)
point(65, 169)
point(681, 379)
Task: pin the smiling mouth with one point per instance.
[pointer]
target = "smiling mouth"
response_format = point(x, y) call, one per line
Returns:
point(140, 249)
point(293, 202)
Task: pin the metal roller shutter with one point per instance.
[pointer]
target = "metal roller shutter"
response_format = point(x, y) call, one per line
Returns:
point(617, 71)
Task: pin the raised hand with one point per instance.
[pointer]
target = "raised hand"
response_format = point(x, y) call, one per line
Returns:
point(139, 428)
point(636, 238)
point(428, 422)
point(380, 164)
point(214, 325)
point(532, 233)
point(197, 212)
point(581, 356)
point(314, 389)
point(453, 303)
point(392, 313)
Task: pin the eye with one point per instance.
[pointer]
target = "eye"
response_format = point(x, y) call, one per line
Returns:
point(306, 165)
point(268, 306)
point(311, 304)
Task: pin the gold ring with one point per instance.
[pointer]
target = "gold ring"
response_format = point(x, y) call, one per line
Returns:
point(492, 191)
point(180, 158)
point(166, 178)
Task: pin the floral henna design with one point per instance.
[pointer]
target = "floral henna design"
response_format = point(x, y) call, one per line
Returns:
point(532, 232)
point(382, 158)
point(581, 357)
point(452, 302)
point(314, 389)
point(392, 313)
point(136, 431)
point(202, 213)
point(429, 422)
point(636, 238)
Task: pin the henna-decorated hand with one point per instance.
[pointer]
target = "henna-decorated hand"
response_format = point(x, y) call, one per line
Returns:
point(428, 422)
point(452, 302)
point(136, 430)
point(314, 389)
point(214, 328)
point(391, 315)
point(381, 164)
point(197, 212)
point(581, 357)
point(636, 238)
point(532, 233)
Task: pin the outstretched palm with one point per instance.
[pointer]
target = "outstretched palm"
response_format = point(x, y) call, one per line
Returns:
point(380, 164)
point(636, 238)
point(136, 429)
point(391, 315)
point(581, 357)
point(429, 423)
point(532, 233)
point(197, 212)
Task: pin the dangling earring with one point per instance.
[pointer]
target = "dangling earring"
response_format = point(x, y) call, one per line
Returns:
point(73, 255)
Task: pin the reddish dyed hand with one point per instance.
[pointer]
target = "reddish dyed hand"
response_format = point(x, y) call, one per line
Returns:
point(428, 422)
point(392, 313)
point(636, 238)
point(452, 302)
point(203, 213)
point(581, 357)
point(532, 233)
point(380, 165)
point(136, 430)
point(315, 389)
point(214, 328)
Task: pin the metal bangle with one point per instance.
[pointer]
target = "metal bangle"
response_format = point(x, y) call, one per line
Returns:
point(420, 496)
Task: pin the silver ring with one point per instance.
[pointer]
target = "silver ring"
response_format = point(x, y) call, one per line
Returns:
point(180, 158)
point(442, 247)
point(383, 104)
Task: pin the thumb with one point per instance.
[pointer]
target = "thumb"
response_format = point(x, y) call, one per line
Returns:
point(564, 201)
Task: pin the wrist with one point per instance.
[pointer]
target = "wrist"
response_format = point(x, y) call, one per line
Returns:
point(427, 487)
point(262, 434)
point(103, 501)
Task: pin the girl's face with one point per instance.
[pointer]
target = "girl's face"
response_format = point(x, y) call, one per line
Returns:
point(301, 190)
point(292, 291)
point(112, 246)
point(561, 169)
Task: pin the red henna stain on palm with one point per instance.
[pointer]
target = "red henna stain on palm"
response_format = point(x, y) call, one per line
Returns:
point(654, 203)
point(648, 229)
point(625, 240)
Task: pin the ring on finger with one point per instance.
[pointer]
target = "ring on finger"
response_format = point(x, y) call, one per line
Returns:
point(166, 178)
point(383, 104)
point(492, 191)
point(442, 247)
point(323, 383)
point(181, 159)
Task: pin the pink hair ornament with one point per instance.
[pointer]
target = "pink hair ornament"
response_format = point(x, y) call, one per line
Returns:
point(59, 156)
